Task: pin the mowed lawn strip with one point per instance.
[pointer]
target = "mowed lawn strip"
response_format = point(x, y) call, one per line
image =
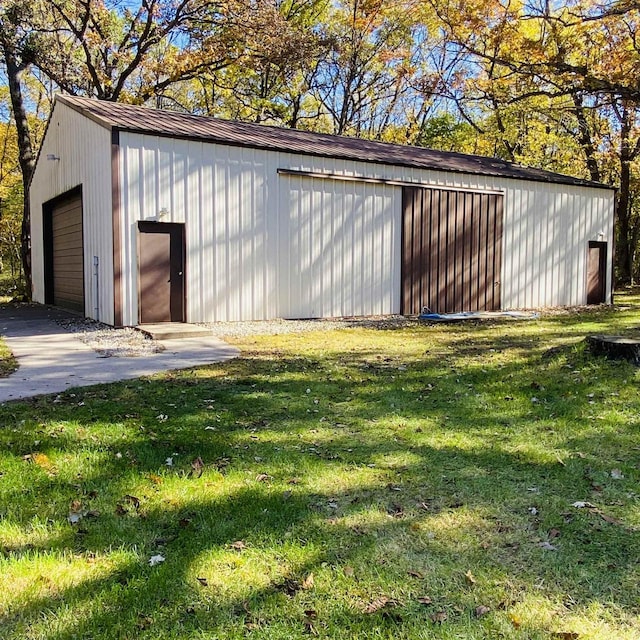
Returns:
point(8, 364)
point(452, 481)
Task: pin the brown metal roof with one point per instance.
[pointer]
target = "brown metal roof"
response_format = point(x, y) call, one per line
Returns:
point(124, 117)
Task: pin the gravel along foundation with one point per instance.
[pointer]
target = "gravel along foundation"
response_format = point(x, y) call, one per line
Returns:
point(127, 342)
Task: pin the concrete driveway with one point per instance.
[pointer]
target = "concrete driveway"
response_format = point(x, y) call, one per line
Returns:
point(52, 359)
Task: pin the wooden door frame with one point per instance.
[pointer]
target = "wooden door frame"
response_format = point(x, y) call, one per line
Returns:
point(164, 227)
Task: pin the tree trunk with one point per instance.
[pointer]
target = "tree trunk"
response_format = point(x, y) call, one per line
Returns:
point(585, 138)
point(624, 250)
point(624, 246)
point(25, 150)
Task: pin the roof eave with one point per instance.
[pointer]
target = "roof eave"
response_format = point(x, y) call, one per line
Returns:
point(570, 181)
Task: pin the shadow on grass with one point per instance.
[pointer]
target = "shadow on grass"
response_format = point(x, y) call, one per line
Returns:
point(424, 462)
point(135, 595)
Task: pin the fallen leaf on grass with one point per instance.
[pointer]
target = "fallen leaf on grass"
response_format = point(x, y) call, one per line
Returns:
point(155, 478)
point(157, 559)
point(77, 513)
point(289, 586)
point(415, 574)
point(132, 500)
point(607, 518)
point(42, 460)
point(308, 582)
point(127, 505)
point(203, 581)
point(221, 464)
point(263, 477)
point(516, 621)
point(144, 622)
point(197, 467)
point(438, 617)
point(425, 600)
point(566, 635)
point(74, 517)
point(616, 474)
point(377, 604)
point(554, 533)
point(547, 546)
point(481, 610)
point(348, 571)
point(309, 616)
point(470, 578)
point(593, 509)
point(238, 545)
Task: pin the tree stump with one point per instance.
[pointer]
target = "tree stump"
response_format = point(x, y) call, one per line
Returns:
point(615, 347)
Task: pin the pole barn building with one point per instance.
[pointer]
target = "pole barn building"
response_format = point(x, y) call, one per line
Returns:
point(140, 216)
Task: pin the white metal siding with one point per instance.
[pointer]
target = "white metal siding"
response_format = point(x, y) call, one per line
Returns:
point(262, 245)
point(546, 232)
point(221, 195)
point(84, 149)
point(340, 248)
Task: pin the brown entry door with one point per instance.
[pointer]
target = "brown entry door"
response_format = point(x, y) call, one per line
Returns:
point(452, 250)
point(597, 273)
point(161, 247)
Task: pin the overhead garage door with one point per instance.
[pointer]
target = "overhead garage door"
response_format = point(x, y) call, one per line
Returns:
point(67, 254)
point(452, 250)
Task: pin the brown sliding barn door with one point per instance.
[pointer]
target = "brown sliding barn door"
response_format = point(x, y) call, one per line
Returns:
point(452, 250)
point(161, 247)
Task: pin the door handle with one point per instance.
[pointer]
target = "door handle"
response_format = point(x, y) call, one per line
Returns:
point(179, 273)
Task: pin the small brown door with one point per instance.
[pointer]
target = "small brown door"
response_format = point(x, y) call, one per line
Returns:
point(597, 273)
point(161, 250)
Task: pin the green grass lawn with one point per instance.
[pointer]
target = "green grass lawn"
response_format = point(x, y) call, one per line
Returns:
point(8, 363)
point(409, 483)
